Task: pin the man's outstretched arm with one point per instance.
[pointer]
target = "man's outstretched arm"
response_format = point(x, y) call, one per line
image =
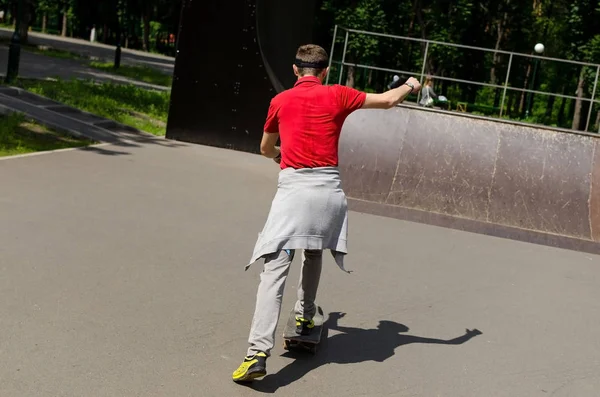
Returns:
point(393, 97)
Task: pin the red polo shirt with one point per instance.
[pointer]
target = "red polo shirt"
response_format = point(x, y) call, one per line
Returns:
point(309, 119)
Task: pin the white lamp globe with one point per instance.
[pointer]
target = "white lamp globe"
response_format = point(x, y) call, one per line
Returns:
point(539, 48)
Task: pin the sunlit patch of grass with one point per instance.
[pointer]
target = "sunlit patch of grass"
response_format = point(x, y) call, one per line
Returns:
point(139, 73)
point(18, 136)
point(146, 110)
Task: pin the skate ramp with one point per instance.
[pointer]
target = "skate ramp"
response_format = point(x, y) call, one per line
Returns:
point(525, 183)
point(447, 169)
point(223, 86)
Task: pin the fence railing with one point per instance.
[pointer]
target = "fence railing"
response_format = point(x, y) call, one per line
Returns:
point(526, 85)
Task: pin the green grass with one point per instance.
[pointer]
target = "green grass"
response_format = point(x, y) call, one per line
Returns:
point(51, 52)
point(44, 50)
point(18, 136)
point(140, 73)
point(143, 109)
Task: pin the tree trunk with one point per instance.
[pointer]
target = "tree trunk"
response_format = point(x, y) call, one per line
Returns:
point(146, 35)
point(445, 84)
point(550, 106)
point(500, 36)
point(44, 22)
point(597, 124)
point(25, 20)
point(497, 98)
point(578, 103)
point(421, 22)
point(570, 111)
point(561, 111)
point(411, 26)
point(351, 76)
point(523, 93)
point(472, 98)
point(493, 70)
point(65, 21)
point(511, 103)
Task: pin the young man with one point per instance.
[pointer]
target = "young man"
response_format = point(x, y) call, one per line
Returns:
point(309, 211)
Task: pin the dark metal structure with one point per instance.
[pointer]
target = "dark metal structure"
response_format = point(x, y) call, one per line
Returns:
point(233, 57)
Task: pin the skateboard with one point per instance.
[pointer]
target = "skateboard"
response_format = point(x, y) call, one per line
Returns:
point(293, 341)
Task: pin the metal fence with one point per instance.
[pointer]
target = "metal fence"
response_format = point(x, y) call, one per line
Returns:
point(510, 60)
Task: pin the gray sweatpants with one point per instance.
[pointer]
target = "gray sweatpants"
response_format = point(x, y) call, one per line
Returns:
point(270, 295)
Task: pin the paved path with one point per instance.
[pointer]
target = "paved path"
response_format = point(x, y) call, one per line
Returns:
point(38, 66)
point(121, 274)
point(103, 51)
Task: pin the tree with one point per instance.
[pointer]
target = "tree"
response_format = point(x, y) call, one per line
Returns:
point(46, 8)
point(361, 15)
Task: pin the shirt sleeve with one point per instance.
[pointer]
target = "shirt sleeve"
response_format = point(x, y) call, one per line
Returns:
point(272, 123)
point(350, 99)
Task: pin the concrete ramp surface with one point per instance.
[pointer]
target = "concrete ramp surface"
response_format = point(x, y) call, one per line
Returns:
point(508, 180)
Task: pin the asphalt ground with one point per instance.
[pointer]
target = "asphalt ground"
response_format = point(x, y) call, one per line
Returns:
point(122, 274)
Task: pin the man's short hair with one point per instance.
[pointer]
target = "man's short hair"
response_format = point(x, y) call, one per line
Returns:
point(311, 59)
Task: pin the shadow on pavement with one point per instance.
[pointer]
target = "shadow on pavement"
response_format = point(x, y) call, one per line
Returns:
point(103, 151)
point(351, 346)
point(131, 142)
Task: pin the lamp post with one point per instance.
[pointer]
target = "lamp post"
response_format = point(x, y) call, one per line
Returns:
point(117, 63)
point(14, 51)
point(539, 48)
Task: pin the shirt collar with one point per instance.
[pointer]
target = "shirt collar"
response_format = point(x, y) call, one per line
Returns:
point(307, 79)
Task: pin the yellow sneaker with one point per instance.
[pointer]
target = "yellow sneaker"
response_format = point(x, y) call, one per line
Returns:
point(304, 326)
point(253, 367)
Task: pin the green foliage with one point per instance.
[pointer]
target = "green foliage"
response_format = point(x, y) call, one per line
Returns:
point(109, 16)
point(364, 15)
point(592, 49)
point(140, 73)
point(568, 29)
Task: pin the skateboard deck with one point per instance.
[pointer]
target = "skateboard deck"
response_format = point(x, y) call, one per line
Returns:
point(293, 341)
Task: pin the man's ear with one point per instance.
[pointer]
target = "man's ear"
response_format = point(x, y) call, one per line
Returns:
point(296, 70)
point(325, 73)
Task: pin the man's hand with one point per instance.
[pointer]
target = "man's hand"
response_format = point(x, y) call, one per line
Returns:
point(277, 158)
point(393, 97)
point(415, 83)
